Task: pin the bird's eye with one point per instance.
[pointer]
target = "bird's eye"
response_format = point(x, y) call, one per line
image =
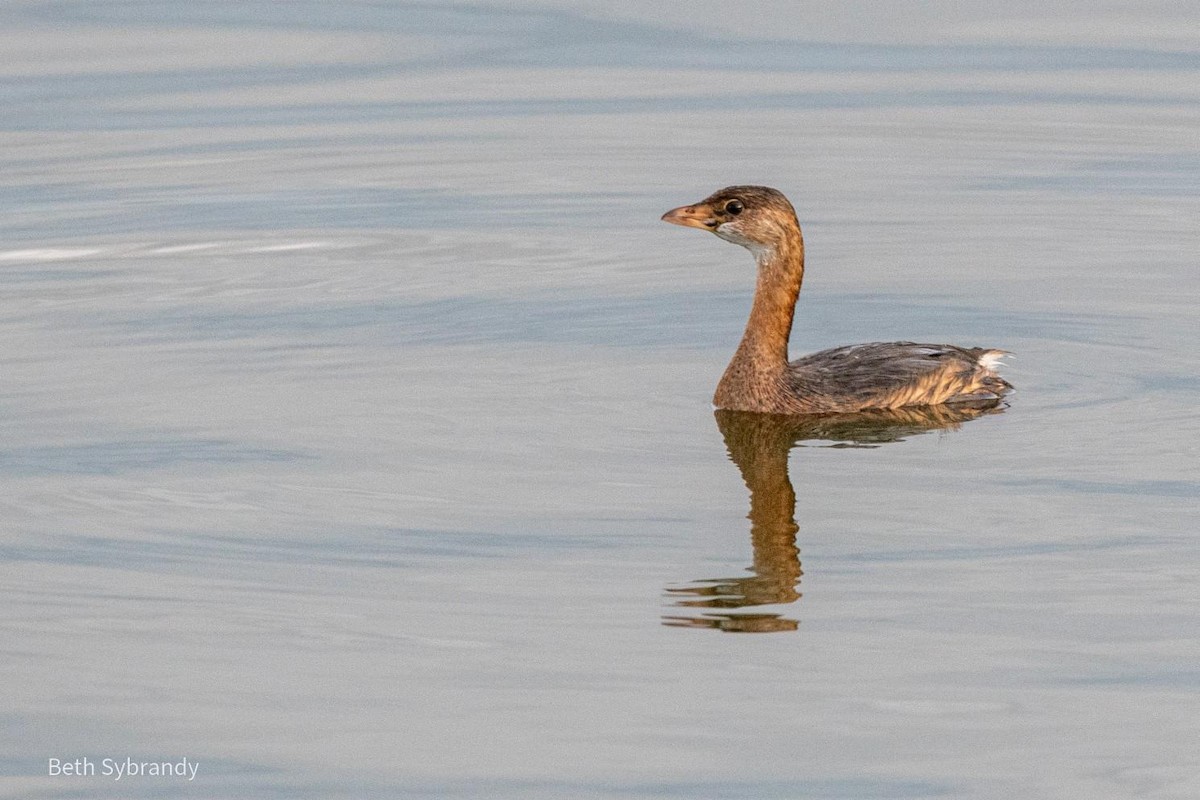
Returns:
point(734, 207)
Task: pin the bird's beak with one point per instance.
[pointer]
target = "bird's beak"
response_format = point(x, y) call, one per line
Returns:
point(697, 216)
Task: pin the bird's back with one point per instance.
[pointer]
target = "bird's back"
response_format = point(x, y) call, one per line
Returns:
point(895, 375)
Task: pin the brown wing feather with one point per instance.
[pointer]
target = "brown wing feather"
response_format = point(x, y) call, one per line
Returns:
point(896, 374)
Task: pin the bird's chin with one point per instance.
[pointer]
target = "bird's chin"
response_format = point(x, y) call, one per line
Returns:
point(758, 249)
point(730, 234)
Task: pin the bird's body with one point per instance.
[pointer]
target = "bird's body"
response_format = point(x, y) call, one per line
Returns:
point(880, 375)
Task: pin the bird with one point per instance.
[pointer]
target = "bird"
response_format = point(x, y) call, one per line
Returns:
point(878, 375)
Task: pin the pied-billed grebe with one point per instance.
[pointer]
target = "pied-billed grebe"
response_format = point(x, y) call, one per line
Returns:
point(854, 378)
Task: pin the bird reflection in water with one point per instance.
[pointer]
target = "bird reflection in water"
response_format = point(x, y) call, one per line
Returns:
point(759, 445)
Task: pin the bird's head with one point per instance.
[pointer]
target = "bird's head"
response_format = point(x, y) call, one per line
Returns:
point(756, 217)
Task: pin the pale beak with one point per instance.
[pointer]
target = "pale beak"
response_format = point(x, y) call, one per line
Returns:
point(697, 216)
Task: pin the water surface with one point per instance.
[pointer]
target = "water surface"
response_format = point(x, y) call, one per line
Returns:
point(356, 435)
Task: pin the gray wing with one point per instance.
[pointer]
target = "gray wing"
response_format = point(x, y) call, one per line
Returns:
point(896, 374)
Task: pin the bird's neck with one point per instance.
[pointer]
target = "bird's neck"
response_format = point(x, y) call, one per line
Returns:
point(762, 355)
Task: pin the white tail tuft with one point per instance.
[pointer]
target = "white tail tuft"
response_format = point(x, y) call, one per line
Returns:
point(992, 359)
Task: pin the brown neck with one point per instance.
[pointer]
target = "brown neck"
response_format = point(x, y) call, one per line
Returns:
point(762, 355)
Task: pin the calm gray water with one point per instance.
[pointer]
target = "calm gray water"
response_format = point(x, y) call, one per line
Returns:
point(355, 402)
